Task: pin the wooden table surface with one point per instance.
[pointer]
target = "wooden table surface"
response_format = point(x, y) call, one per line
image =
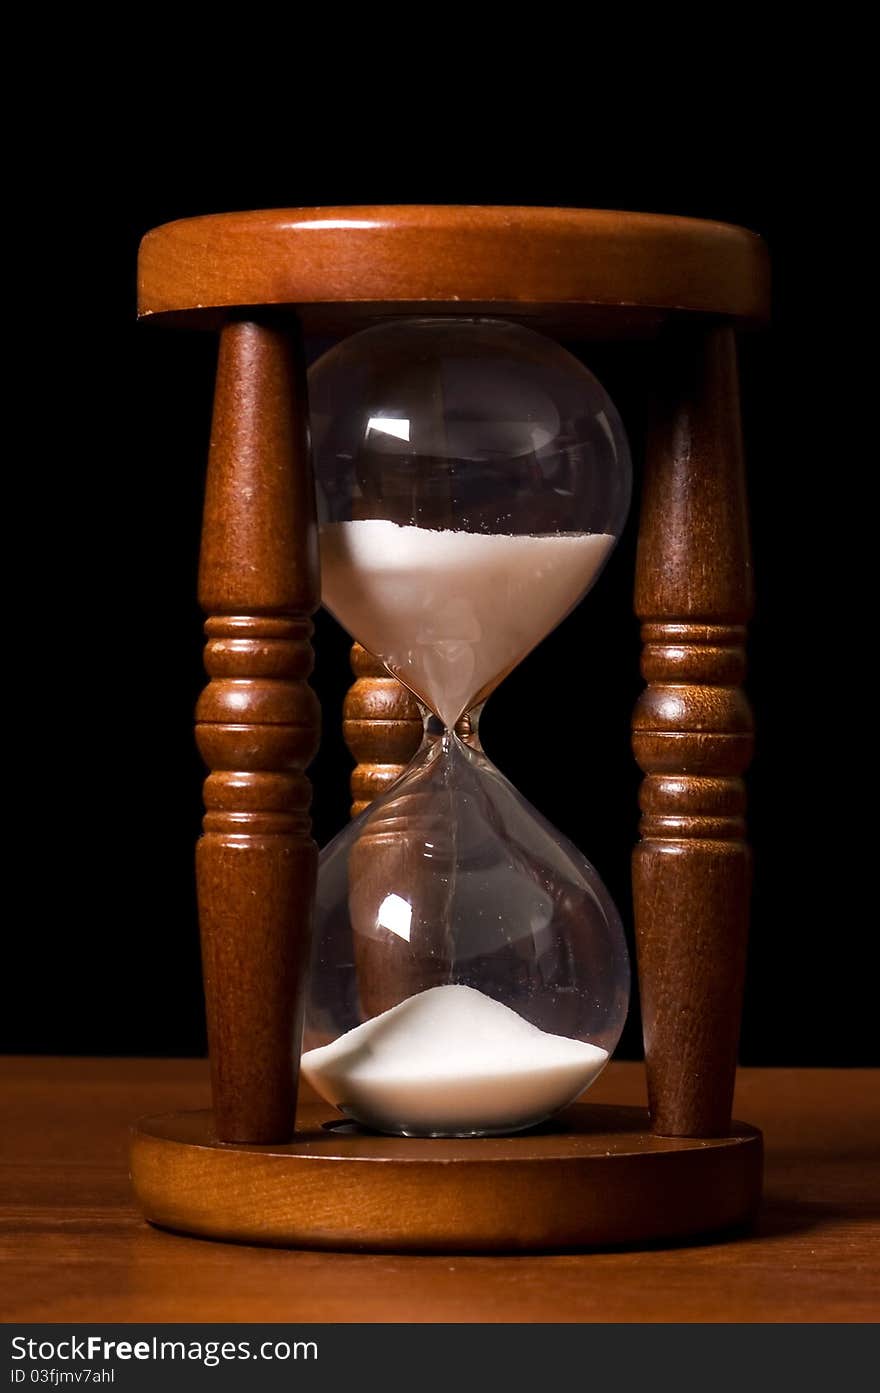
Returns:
point(75, 1249)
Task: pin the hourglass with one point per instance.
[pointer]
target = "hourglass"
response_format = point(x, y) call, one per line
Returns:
point(469, 972)
point(453, 977)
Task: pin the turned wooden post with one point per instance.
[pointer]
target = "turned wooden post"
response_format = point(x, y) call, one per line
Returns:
point(382, 728)
point(258, 723)
point(692, 735)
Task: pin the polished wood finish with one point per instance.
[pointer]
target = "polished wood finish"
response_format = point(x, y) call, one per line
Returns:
point(382, 728)
point(258, 723)
point(570, 271)
point(74, 1247)
point(692, 736)
point(578, 270)
point(596, 1176)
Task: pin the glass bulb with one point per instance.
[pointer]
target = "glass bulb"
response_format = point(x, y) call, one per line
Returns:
point(469, 972)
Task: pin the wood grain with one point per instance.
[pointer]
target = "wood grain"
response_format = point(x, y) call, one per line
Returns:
point(610, 273)
point(382, 727)
point(73, 1246)
point(593, 1177)
point(258, 723)
point(692, 736)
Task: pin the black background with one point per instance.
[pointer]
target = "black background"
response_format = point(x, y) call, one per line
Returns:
point(108, 929)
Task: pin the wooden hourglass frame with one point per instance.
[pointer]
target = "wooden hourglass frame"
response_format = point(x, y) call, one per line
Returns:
point(597, 1175)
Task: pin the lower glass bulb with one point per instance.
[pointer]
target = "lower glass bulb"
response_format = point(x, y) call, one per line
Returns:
point(470, 973)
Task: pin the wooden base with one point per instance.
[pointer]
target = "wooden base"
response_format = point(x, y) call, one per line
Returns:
point(594, 1176)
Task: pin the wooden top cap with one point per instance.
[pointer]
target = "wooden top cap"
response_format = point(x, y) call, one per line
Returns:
point(576, 268)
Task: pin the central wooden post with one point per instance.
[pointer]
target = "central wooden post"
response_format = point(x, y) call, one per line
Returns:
point(382, 728)
point(258, 724)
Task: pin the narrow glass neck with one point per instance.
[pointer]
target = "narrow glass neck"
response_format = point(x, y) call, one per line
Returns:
point(467, 727)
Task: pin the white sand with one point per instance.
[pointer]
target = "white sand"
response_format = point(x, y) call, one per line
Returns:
point(449, 611)
point(451, 1061)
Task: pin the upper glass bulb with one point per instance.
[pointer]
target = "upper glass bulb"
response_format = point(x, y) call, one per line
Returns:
point(472, 479)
